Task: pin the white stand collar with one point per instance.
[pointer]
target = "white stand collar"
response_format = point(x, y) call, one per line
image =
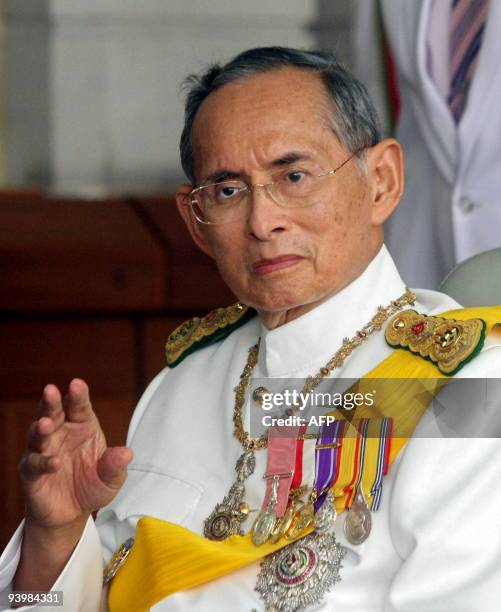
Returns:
point(309, 341)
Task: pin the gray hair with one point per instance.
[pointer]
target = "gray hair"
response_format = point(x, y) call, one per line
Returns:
point(354, 121)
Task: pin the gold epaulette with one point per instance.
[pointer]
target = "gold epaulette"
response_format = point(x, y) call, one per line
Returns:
point(448, 343)
point(202, 331)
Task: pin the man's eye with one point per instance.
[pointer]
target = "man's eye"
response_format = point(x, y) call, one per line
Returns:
point(226, 192)
point(296, 176)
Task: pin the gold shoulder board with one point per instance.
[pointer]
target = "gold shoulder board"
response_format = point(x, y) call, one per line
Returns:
point(202, 331)
point(448, 343)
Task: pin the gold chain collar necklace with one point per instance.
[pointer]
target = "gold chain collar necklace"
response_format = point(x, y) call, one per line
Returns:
point(228, 516)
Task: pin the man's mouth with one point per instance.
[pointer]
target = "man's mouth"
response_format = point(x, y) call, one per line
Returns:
point(265, 266)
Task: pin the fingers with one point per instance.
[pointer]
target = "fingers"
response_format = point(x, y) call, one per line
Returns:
point(51, 413)
point(34, 465)
point(77, 402)
point(39, 435)
point(75, 406)
point(111, 467)
point(51, 405)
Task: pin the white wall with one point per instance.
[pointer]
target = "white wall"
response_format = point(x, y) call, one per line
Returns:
point(94, 100)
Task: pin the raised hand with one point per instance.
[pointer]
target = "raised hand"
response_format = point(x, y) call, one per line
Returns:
point(67, 470)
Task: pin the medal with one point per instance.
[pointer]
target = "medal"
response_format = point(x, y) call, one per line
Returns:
point(358, 522)
point(326, 472)
point(300, 574)
point(117, 560)
point(326, 516)
point(227, 517)
point(283, 524)
point(279, 474)
point(327, 455)
point(296, 491)
point(265, 521)
point(373, 440)
point(301, 520)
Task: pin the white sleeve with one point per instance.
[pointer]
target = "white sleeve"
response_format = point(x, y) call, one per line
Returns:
point(81, 579)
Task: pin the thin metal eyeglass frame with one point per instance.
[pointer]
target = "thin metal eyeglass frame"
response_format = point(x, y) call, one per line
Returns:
point(268, 187)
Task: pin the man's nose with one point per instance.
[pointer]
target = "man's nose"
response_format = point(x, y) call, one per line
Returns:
point(264, 215)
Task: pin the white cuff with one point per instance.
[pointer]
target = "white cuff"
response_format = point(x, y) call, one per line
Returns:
point(80, 580)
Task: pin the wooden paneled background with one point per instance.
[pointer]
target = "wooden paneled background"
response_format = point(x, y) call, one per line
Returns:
point(88, 288)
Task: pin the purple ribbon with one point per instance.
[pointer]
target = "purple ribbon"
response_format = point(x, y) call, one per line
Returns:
point(326, 459)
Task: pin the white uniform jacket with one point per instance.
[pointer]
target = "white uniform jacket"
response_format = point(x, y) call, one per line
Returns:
point(436, 539)
point(451, 209)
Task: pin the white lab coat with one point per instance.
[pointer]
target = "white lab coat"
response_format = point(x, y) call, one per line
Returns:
point(451, 209)
point(436, 540)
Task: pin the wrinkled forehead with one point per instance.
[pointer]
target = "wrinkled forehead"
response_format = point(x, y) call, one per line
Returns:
point(264, 110)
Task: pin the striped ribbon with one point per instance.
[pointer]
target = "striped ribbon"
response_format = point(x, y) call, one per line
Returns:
point(466, 31)
point(365, 460)
point(358, 462)
point(382, 462)
point(361, 459)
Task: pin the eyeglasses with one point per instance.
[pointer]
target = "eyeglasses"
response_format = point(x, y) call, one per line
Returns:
point(226, 201)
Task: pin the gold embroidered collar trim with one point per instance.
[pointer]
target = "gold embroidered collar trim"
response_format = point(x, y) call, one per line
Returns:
point(202, 331)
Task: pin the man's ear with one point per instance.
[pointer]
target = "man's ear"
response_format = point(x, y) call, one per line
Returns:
point(385, 163)
point(194, 227)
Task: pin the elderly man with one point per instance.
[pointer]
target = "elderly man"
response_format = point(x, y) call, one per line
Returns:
point(290, 185)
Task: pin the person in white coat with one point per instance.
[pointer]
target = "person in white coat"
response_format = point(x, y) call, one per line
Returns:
point(451, 208)
point(316, 270)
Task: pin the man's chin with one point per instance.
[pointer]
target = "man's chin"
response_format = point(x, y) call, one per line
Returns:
point(277, 304)
point(291, 301)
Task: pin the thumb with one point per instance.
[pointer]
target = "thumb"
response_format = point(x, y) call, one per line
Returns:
point(112, 466)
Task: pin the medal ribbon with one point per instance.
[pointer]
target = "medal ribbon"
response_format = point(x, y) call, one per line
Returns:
point(280, 464)
point(358, 465)
point(382, 462)
point(367, 450)
point(298, 469)
point(327, 459)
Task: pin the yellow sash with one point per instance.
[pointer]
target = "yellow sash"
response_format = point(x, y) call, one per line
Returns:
point(167, 558)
